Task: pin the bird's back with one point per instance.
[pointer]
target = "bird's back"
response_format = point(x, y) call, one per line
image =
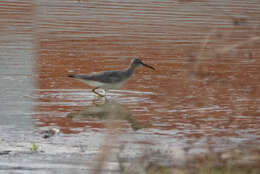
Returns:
point(104, 77)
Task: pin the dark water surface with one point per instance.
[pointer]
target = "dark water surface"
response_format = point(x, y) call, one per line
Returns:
point(205, 90)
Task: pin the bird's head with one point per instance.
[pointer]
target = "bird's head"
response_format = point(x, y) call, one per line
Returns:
point(137, 62)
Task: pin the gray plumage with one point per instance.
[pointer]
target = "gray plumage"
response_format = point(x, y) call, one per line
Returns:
point(104, 77)
point(110, 79)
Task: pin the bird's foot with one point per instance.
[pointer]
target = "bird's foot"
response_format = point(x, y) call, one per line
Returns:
point(99, 94)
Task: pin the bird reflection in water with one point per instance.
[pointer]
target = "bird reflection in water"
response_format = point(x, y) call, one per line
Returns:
point(104, 109)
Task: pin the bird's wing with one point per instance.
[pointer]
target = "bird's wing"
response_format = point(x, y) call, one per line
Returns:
point(108, 76)
point(105, 77)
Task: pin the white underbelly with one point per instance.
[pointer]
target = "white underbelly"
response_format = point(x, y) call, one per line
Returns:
point(114, 85)
point(104, 85)
point(92, 83)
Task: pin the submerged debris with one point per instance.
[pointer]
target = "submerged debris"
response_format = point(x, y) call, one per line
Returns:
point(5, 152)
point(49, 133)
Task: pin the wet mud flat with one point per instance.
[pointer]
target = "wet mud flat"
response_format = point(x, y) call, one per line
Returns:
point(50, 157)
point(198, 112)
point(65, 154)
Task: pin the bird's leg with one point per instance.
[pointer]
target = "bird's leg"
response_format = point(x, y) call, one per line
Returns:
point(99, 101)
point(94, 90)
point(106, 91)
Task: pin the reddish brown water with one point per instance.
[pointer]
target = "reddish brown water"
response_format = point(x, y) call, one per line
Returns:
point(206, 54)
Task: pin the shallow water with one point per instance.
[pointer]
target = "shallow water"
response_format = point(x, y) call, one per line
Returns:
point(204, 92)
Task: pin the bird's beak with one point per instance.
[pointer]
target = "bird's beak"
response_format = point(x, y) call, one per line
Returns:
point(148, 66)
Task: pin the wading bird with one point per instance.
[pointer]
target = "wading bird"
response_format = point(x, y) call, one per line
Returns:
point(110, 79)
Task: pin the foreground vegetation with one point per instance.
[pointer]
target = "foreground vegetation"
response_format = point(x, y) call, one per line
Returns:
point(241, 160)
